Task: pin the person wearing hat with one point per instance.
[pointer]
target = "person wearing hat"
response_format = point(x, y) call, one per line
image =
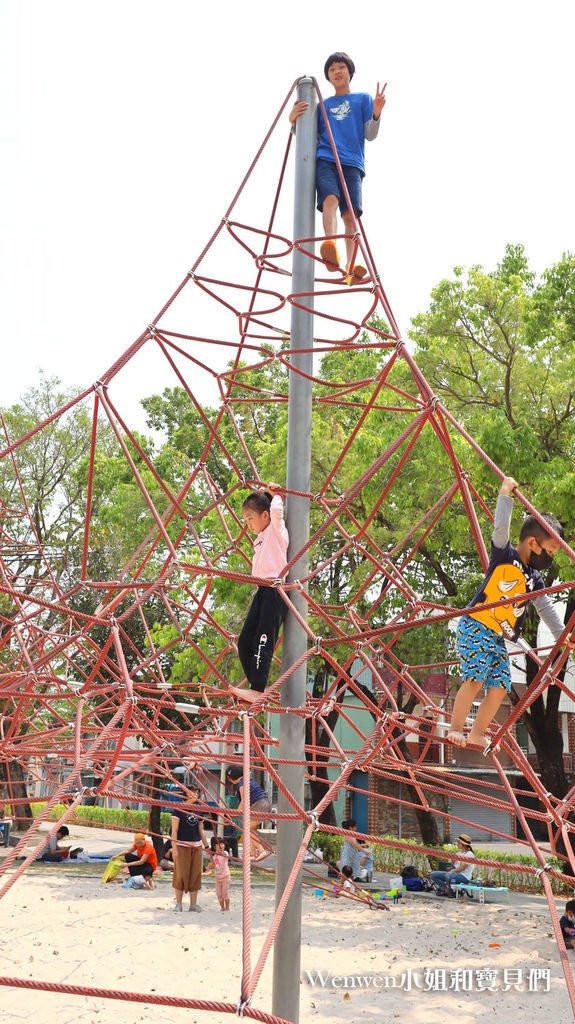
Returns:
point(460, 872)
point(141, 859)
point(353, 117)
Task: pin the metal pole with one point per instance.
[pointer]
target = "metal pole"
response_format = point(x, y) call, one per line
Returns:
point(287, 947)
point(222, 786)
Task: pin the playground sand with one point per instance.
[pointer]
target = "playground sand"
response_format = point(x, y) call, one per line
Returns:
point(77, 931)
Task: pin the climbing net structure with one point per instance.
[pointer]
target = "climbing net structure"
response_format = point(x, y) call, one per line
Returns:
point(114, 676)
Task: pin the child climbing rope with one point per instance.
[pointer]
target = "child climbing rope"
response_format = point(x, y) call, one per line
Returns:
point(353, 117)
point(259, 804)
point(512, 572)
point(263, 515)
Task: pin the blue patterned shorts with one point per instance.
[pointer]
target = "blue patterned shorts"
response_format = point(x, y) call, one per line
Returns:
point(482, 654)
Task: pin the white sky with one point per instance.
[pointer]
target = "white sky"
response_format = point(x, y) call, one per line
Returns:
point(127, 125)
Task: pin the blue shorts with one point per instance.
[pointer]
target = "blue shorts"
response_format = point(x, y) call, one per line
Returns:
point(482, 654)
point(327, 183)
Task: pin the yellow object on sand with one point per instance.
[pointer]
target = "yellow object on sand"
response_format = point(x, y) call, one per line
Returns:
point(113, 868)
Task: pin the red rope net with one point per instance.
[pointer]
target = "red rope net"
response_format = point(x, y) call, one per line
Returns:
point(94, 664)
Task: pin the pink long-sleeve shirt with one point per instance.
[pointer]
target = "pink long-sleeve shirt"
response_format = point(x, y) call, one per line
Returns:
point(270, 546)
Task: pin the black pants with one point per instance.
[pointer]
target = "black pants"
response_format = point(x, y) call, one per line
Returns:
point(139, 869)
point(259, 636)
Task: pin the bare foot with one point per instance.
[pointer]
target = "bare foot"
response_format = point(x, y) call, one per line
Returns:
point(249, 696)
point(478, 739)
point(457, 738)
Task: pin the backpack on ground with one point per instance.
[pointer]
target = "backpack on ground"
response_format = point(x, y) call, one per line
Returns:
point(414, 884)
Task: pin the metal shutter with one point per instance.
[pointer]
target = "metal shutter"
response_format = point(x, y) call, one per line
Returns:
point(486, 820)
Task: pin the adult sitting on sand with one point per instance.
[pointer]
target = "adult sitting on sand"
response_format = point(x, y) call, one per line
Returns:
point(167, 858)
point(188, 837)
point(140, 859)
point(461, 872)
point(53, 853)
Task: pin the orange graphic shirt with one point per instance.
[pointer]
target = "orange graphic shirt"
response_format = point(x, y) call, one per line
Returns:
point(506, 576)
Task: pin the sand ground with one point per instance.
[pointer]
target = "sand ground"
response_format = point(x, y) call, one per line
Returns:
point(56, 927)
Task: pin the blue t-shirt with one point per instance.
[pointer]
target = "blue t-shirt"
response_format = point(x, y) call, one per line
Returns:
point(347, 117)
point(506, 576)
point(256, 791)
point(188, 825)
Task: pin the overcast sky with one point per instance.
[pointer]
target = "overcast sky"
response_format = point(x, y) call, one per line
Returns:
point(127, 125)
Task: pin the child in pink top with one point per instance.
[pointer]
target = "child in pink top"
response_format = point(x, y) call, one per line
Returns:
point(263, 515)
point(220, 863)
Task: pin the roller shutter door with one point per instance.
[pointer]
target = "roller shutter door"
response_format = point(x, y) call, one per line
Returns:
point(486, 820)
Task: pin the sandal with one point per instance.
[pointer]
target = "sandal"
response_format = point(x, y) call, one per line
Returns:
point(329, 255)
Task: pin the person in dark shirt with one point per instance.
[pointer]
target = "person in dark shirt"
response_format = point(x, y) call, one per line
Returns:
point(167, 859)
point(259, 804)
point(514, 573)
point(567, 923)
point(188, 838)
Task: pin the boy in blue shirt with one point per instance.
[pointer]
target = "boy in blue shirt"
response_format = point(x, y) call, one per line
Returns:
point(514, 573)
point(353, 117)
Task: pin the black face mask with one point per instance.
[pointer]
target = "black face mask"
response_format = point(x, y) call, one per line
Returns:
point(541, 561)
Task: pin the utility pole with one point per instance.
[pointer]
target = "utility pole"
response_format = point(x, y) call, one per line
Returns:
point(287, 946)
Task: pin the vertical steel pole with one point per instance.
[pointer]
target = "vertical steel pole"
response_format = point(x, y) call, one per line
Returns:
point(287, 947)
